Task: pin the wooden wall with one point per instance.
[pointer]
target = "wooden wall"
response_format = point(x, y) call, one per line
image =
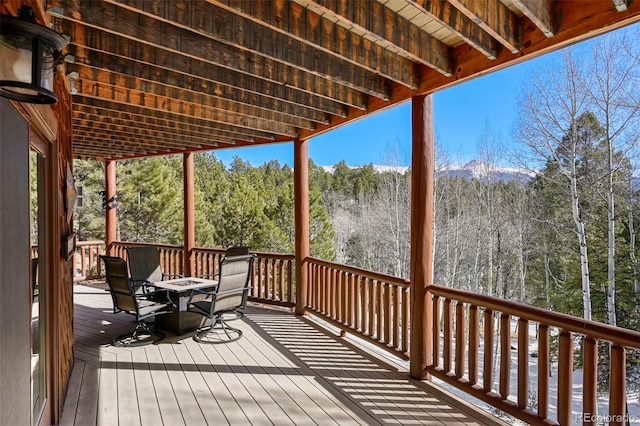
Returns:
point(64, 283)
point(51, 124)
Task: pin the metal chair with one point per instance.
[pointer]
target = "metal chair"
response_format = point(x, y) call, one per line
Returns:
point(233, 251)
point(227, 297)
point(144, 265)
point(134, 300)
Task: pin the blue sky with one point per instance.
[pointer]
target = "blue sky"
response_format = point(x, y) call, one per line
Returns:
point(461, 115)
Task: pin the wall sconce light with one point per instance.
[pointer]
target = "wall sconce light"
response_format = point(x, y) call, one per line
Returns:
point(30, 55)
point(111, 203)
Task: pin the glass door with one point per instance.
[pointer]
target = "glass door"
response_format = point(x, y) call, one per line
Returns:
point(37, 287)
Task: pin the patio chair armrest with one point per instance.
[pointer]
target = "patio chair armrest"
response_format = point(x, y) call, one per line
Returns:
point(157, 295)
point(144, 284)
point(201, 291)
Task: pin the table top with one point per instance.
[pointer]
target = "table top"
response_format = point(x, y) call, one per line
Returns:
point(184, 284)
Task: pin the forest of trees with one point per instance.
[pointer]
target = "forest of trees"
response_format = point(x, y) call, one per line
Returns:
point(564, 240)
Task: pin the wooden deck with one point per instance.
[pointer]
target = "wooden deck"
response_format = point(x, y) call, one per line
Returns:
point(284, 370)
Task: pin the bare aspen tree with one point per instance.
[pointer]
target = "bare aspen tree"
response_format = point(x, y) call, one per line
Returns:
point(609, 84)
point(488, 155)
point(547, 128)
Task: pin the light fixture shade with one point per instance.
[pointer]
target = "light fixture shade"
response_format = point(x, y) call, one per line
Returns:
point(30, 54)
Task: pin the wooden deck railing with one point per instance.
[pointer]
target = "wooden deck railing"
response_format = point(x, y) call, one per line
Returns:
point(272, 279)
point(479, 342)
point(374, 306)
point(171, 256)
point(86, 258)
point(460, 320)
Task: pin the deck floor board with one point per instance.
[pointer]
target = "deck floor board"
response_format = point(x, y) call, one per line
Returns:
point(285, 370)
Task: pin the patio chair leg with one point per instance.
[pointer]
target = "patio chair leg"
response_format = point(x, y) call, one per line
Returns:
point(135, 336)
point(232, 334)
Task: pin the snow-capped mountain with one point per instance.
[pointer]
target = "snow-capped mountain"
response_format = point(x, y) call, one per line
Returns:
point(475, 169)
point(480, 170)
point(376, 168)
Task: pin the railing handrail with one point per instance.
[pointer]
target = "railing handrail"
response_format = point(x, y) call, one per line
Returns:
point(88, 243)
point(281, 256)
point(136, 244)
point(617, 335)
point(402, 282)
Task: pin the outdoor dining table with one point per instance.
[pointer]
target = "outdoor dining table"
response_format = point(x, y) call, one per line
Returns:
point(181, 321)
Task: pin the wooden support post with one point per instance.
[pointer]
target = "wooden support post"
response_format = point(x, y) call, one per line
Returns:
point(189, 214)
point(111, 214)
point(301, 191)
point(422, 181)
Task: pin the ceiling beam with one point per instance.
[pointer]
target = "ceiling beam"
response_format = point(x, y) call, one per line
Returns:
point(153, 31)
point(89, 124)
point(155, 61)
point(90, 78)
point(460, 24)
point(145, 139)
point(390, 28)
point(200, 135)
point(231, 29)
point(621, 5)
point(88, 63)
point(539, 12)
point(107, 111)
point(151, 103)
point(494, 18)
point(302, 25)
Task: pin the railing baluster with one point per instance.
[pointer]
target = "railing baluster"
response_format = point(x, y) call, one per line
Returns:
point(396, 294)
point(360, 307)
point(339, 296)
point(487, 368)
point(371, 307)
point(505, 355)
point(543, 371)
point(281, 292)
point(617, 379)
point(565, 374)
point(448, 335)
point(346, 288)
point(290, 294)
point(473, 344)
point(406, 303)
point(437, 326)
point(350, 300)
point(460, 339)
point(523, 363)
point(590, 382)
point(380, 318)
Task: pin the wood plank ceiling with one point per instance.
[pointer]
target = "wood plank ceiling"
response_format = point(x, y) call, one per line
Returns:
point(153, 77)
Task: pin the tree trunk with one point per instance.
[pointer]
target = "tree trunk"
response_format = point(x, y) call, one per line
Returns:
point(611, 246)
point(582, 238)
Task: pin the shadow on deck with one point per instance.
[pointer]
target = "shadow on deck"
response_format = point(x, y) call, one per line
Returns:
point(284, 370)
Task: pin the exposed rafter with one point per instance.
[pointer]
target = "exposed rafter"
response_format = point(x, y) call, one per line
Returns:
point(460, 24)
point(494, 18)
point(539, 12)
point(167, 76)
point(389, 29)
